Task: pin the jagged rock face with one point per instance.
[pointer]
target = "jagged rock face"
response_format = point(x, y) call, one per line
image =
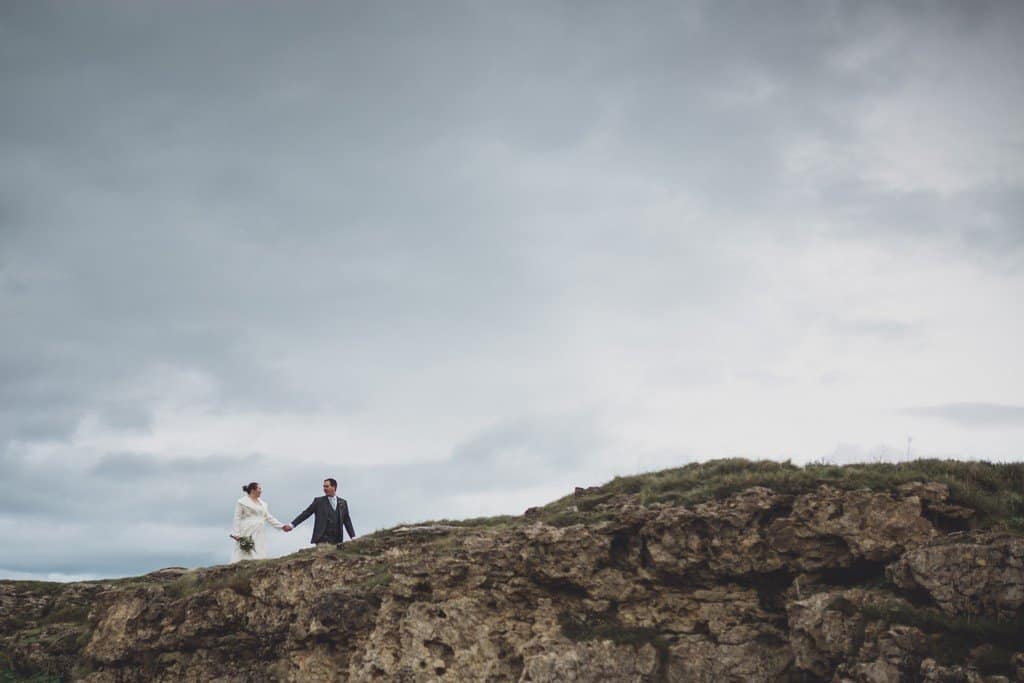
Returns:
point(977, 575)
point(832, 636)
point(758, 587)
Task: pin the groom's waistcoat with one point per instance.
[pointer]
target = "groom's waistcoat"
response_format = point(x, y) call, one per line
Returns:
point(332, 529)
point(327, 521)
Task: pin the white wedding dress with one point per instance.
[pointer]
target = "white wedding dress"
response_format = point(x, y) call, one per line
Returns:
point(250, 520)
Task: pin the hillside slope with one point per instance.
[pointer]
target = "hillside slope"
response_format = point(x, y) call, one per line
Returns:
point(729, 570)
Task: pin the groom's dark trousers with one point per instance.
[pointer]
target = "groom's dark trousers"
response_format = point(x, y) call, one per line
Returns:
point(327, 522)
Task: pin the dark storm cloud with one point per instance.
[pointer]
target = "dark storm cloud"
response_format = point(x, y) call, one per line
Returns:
point(973, 414)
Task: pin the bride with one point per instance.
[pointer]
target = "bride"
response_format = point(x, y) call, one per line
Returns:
point(250, 515)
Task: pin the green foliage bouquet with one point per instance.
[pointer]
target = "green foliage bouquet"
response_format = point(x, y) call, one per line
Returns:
point(246, 544)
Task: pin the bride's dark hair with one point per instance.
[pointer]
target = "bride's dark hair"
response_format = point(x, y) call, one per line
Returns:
point(250, 487)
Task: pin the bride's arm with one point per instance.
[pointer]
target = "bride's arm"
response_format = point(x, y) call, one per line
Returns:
point(237, 521)
point(270, 518)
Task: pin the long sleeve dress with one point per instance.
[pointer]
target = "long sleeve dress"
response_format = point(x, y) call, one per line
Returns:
point(250, 520)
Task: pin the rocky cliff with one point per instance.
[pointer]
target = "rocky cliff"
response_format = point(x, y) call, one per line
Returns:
point(728, 571)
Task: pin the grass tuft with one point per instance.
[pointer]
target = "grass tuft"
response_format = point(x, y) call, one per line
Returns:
point(994, 490)
point(378, 579)
point(955, 637)
point(238, 578)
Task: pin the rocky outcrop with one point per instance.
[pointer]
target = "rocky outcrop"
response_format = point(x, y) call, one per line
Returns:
point(830, 584)
point(968, 574)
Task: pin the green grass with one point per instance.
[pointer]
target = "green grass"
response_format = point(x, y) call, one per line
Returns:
point(35, 587)
point(477, 522)
point(371, 545)
point(9, 674)
point(67, 614)
point(955, 637)
point(240, 582)
point(12, 677)
point(238, 578)
point(379, 578)
point(30, 635)
point(994, 491)
point(182, 587)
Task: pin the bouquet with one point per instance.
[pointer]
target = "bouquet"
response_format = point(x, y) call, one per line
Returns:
point(246, 544)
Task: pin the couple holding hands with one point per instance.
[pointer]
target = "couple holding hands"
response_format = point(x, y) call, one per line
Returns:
point(330, 515)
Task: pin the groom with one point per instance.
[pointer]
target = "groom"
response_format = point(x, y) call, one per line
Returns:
point(330, 514)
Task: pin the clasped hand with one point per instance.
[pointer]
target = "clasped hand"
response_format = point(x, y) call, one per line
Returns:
point(286, 527)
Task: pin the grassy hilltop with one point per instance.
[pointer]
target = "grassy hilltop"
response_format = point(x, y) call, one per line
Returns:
point(637, 563)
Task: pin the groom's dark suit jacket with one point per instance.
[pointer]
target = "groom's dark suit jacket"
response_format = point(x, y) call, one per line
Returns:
point(321, 508)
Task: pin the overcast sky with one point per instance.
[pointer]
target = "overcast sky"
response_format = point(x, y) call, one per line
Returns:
point(465, 256)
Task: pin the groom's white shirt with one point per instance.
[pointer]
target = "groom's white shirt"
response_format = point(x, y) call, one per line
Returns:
point(334, 502)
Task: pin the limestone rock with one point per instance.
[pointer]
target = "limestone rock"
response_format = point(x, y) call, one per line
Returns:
point(758, 586)
point(969, 574)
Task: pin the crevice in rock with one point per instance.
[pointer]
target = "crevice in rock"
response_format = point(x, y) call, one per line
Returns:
point(661, 674)
point(442, 651)
point(585, 626)
point(948, 524)
point(517, 665)
point(860, 573)
point(918, 596)
point(771, 588)
point(770, 640)
point(620, 550)
point(782, 509)
point(563, 588)
point(676, 581)
point(422, 589)
point(795, 675)
point(646, 560)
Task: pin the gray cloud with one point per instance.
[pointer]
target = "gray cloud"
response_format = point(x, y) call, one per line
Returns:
point(182, 508)
point(145, 466)
point(892, 330)
point(973, 414)
point(391, 218)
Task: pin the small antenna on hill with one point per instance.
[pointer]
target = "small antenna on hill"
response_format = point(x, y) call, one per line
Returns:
point(909, 439)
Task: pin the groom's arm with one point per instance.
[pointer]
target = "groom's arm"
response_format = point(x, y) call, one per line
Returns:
point(348, 522)
point(304, 514)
